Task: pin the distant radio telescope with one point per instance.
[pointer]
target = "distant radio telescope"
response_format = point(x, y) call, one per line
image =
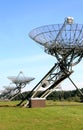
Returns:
point(20, 81)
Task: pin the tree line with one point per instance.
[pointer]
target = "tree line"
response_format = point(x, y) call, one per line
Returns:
point(73, 95)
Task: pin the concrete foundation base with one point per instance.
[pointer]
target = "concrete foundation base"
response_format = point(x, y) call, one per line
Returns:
point(37, 102)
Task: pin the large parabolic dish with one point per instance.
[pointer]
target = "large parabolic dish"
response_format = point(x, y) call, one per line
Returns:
point(61, 40)
point(21, 79)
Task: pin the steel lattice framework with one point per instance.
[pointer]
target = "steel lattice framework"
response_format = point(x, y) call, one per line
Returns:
point(65, 42)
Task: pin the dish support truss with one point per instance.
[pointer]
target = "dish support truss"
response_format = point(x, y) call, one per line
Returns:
point(50, 82)
point(17, 90)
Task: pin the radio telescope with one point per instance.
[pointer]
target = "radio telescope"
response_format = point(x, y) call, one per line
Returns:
point(20, 81)
point(65, 43)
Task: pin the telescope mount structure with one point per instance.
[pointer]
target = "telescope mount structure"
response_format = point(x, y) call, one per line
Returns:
point(65, 43)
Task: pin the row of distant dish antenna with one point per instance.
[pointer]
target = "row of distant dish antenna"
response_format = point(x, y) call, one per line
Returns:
point(15, 88)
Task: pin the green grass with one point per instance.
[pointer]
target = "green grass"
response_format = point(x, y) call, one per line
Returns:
point(55, 116)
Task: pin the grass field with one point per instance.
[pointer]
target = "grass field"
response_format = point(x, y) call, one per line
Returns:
point(55, 116)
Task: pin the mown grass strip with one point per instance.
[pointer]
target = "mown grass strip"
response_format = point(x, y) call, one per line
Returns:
point(57, 117)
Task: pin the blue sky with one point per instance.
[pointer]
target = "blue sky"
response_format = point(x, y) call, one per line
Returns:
point(20, 53)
